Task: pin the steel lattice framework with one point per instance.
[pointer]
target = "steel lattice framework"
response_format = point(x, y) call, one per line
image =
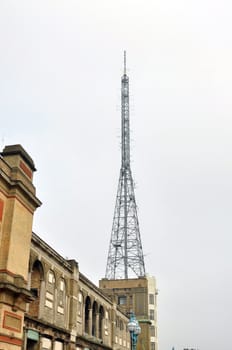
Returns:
point(125, 256)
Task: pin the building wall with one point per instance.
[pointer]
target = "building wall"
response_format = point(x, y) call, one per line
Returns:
point(68, 309)
point(152, 311)
point(17, 205)
point(45, 302)
point(136, 295)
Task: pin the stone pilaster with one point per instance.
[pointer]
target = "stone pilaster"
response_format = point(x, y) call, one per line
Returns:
point(97, 325)
point(18, 202)
point(90, 321)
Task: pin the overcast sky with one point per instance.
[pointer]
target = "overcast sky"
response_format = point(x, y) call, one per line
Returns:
point(60, 69)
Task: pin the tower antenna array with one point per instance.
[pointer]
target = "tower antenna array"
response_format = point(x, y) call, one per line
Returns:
point(125, 256)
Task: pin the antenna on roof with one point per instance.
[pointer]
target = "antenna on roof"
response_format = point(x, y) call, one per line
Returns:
point(125, 256)
point(125, 62)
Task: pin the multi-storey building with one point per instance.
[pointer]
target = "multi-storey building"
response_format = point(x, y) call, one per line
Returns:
point(67, 308)
point(138, 295)
point(46, 303)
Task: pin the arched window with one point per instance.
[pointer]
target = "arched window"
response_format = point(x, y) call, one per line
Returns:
point(37, 275)
point(101, 318)
point(87, 315)
point(94, 322)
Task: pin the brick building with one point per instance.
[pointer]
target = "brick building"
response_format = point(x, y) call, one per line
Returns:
point(140, 296)
point(45, 301)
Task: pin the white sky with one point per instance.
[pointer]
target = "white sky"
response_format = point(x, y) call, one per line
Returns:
point(60, 67)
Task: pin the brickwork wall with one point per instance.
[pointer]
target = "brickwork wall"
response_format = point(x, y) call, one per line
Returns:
point(32, 268)
point(17, 205)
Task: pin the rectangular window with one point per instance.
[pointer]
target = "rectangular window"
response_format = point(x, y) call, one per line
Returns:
point(46, 344)
point(49, 304)
point(153, 347)
point(60, 309)
point(152, 314)
point(122, 300)
point(49, 296)
point(58, 345)
point(152, 331)
point(151, 299)
point(51, 278)
point(61, 285)
point(49, 300)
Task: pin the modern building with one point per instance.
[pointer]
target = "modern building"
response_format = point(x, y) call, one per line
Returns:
point(46, 303)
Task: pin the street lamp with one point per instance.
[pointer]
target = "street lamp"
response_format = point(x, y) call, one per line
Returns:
point(134, 329)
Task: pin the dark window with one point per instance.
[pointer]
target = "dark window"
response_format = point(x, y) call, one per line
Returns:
point(34, 292)
point(122, 300)
point(153, 346)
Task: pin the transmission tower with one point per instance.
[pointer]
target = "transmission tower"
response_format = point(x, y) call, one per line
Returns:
point(125, 256)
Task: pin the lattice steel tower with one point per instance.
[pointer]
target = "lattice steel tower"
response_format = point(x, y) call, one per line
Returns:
point(125, 256)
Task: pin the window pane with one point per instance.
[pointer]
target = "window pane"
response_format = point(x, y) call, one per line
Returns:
point(151, 299)
point(153, 346)
point(152, 314)
point(152, 329)
point(122, 300)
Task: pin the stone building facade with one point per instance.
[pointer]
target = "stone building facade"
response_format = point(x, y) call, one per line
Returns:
point(68, 311)
point(46, 303)
point(140, 296)
point(18, 202)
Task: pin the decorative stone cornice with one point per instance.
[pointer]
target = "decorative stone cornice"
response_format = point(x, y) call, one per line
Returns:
point(37, 241)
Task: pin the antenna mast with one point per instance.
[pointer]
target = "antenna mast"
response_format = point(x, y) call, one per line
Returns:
point(125, 256)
